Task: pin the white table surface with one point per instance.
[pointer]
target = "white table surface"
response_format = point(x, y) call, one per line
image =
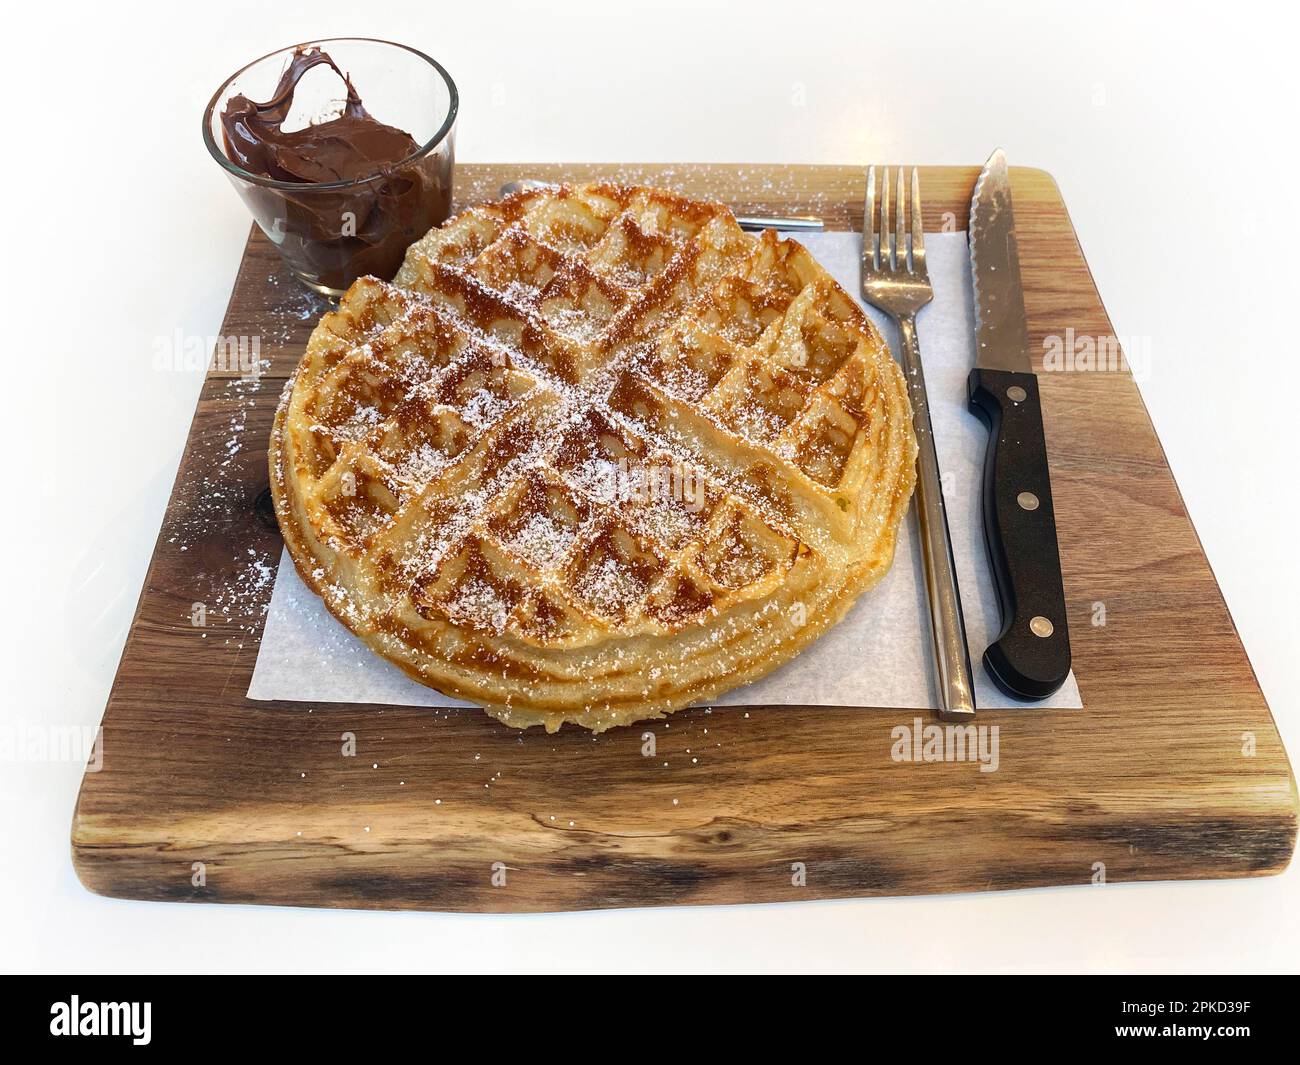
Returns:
point(1170, 136)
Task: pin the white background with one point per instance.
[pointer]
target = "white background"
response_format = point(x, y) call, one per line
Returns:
point(1170, 132)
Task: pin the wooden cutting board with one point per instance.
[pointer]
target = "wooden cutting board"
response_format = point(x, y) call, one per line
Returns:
point(1173, 770)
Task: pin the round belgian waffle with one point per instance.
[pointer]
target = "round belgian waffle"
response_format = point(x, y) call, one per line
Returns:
point(596, 455)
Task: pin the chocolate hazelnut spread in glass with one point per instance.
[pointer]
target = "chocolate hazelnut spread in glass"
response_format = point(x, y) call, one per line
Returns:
point(353, 145)
point(344, 193)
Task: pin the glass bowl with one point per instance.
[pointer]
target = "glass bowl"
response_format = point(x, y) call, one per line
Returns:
point(332, 232)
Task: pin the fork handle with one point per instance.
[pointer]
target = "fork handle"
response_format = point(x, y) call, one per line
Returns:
point(952, 660)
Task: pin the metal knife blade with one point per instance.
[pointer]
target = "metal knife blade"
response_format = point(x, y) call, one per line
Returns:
point(1030, 659)
point(1001, 338)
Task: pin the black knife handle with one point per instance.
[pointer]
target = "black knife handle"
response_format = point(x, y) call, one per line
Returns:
point(1030, 659)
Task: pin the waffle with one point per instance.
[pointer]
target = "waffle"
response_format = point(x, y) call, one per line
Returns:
point(596, 455)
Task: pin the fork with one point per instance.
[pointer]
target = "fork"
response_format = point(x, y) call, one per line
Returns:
point(895, 280)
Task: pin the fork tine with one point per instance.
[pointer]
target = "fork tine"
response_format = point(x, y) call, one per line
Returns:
point(900, 221)
point(886, 263)
point(869, 221)
point(918, 227)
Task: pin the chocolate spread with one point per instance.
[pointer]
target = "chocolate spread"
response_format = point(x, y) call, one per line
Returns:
point(333, 236)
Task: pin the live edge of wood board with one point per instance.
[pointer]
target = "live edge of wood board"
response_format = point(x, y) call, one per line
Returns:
point(1173, 769)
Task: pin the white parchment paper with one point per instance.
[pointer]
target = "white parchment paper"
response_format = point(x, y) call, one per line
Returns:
point(879, 655)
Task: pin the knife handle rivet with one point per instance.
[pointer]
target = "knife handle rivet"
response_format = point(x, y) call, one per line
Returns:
point(1041, 627)
point(1027, 501)
point(1017, 394)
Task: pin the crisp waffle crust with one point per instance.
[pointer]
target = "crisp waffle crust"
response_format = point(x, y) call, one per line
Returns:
point(597, 454)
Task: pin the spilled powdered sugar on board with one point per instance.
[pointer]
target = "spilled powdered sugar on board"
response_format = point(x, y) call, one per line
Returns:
point(231, 587)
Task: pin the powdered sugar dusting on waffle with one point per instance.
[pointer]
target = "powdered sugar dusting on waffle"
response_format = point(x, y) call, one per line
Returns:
point(585, 416)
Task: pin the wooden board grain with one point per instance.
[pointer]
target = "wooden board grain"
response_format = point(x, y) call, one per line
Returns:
point(1172, 770)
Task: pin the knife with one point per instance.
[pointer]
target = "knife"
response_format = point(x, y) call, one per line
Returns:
point(1030, 659)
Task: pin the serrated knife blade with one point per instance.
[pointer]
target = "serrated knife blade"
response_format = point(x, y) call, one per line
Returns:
point(1001, 337)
